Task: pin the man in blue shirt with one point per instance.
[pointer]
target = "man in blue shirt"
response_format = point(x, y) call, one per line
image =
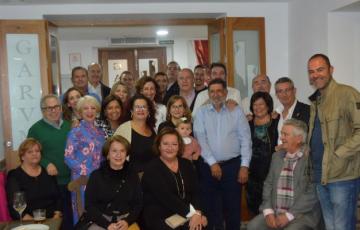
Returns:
point(225, 140)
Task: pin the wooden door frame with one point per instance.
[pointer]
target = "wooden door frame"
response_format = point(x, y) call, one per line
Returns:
point(51, 30)
point(217, 26)
point(225, 27)
point(243, 23)
point(20, 27)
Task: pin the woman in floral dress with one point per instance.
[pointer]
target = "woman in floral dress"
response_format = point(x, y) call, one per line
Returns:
point(84, 143)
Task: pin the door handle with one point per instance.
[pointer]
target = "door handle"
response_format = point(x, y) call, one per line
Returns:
point(8, 144)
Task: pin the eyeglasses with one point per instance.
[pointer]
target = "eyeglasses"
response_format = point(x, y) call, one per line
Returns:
point(51, 108)
point(177, 106)
point(140, 107)
point(284, 91)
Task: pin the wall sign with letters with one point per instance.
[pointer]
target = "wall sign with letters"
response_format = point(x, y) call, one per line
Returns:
point(23, 60)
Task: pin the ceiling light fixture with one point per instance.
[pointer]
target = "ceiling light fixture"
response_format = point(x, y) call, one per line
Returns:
point(162, 32)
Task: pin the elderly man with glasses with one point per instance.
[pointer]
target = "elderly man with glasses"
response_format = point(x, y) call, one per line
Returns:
point(51, 131)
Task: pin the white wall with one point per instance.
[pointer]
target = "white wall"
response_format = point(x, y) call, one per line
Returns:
point(344, 47)
point(308, 34)
point(88, 51)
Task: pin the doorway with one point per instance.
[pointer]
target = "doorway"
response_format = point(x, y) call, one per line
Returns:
point(145, 61)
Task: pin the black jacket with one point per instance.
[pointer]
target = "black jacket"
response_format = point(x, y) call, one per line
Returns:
point(301, 112)
point(162, 192)
point(173, 90)
point(105, 91)
point(113, 193)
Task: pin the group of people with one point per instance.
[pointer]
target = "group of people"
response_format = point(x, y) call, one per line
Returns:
point(172, 151)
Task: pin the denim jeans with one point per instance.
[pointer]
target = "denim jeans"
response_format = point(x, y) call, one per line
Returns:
point(338, 203)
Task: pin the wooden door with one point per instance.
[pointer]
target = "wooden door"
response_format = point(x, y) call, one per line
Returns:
point(125, 59)
point(135, 60)
point(25, 77)
point(151, 60)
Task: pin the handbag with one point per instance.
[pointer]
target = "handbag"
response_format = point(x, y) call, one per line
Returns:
point(84, 223)
point(175, 221)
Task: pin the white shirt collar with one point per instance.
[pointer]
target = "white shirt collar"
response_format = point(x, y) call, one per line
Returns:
point(296, 154)
point(291, 110)
point(282, 119)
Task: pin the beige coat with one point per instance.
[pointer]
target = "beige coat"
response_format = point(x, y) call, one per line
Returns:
point(339, 114)
point(124, 130)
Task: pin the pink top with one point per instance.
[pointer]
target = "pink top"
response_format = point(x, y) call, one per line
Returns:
point(192, 151)
point(4, 213)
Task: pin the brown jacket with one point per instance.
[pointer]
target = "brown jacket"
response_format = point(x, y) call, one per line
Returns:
point(339, 115)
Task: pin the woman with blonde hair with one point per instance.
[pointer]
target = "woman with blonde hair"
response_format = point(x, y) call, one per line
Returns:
point(120, 90)
point(84, 143)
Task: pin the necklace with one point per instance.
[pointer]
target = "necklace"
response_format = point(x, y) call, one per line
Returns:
point(177, 176)
point(182, 192)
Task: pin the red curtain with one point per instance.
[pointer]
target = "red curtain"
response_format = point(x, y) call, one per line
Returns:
point(202, 51)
